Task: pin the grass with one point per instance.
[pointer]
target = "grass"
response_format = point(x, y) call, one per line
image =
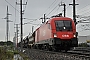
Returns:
point(5, 54)
point(16, 52)
point(25, 57)
point(9, 54)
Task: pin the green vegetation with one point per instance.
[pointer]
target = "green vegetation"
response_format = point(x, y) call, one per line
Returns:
point(5, 54)
point(6, 43)
point(8, 52)
point(16, 52)
point(25, 57)
point(83, 45)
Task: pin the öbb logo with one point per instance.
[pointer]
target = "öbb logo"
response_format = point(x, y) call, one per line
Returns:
point(65, 35)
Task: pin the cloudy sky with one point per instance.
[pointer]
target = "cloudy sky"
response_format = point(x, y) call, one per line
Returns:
point(34, 10)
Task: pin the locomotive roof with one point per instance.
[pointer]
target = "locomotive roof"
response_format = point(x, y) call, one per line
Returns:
point(59, 18)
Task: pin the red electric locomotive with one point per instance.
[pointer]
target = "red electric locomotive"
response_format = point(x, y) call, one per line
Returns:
point(58, 33)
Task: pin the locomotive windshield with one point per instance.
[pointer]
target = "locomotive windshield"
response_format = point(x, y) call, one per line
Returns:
point(63, 25)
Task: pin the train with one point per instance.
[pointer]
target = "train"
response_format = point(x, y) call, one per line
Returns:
point(58, 33)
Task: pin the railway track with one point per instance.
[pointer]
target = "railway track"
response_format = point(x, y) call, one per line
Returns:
point(75, 54)
point(83, 52)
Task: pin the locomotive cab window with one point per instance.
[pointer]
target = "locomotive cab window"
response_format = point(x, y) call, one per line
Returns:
point(63, 25)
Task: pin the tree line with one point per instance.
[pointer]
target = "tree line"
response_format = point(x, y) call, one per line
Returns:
point(6, 43)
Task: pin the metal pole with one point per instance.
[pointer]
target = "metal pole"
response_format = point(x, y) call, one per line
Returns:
point(7, 25)
point(63, 4)
point(74, 13)
point(32, 28)
point(15, 40)
point(64, 10)
point(44, 18)
point(21, 24)
point(17, 34)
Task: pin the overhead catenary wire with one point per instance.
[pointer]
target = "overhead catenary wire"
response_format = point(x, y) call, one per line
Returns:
point(11, 5)
point(57, 9)
point(86, 25)
point(83, 7)
point(85, 11)
point(53, 3)
point(30, 21)
point(54, 8)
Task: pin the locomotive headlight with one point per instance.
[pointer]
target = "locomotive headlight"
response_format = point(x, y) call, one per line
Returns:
point(55, 35)
point(74, 35)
